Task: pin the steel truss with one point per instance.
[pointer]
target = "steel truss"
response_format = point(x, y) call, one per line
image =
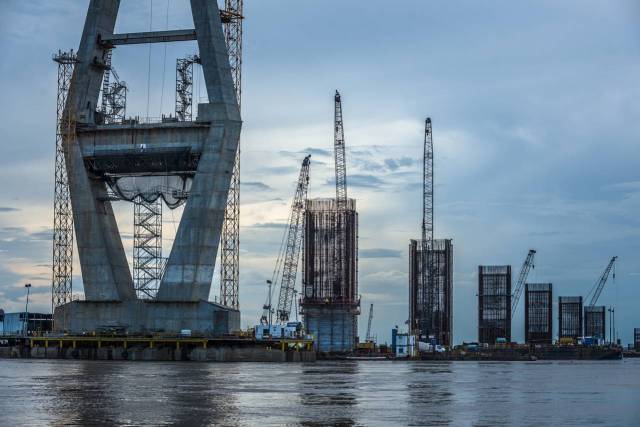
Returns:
point(230, 239)
point(62, 267)
point(147, 247)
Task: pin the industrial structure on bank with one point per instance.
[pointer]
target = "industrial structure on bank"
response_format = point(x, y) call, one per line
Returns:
point(102, 157)
point(430, 266)
point(330, 301)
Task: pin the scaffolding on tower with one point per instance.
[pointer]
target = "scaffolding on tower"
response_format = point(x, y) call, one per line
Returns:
point(232, 18)
point(184, 87)
point(114, 94)
point(147, 247)
point(62, 266)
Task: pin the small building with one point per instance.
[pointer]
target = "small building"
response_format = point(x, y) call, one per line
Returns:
point(403, 344)
point(15, 323)
point(494, 303)
point(538, 314)
point(636, 338)
point(594, 323)
point(569, 318)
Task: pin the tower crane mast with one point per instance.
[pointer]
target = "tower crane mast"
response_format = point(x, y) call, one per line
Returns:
point(341, 197)
point(428, 297)
point(287, 263)
point(341, 168)
point(602, 280)
point(524, 273)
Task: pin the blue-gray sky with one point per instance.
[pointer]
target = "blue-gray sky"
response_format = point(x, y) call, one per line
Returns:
point(536, 128)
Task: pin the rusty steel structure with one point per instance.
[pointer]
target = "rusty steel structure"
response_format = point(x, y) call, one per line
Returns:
point(320, 251)
point(232, 18)
point(330, 307)
point(494, 303)
point(594, 322)
point(538, 314)
point(433, 321)
point(570, 317)
point(62, 266)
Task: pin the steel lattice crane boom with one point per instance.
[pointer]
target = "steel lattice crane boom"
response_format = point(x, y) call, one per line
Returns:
point(341, 197)
point(601, 282)
point(287, 263)
point(524, 272)
point(428, 297)
point(369, 339)
point(427, 183)
point(341, 168)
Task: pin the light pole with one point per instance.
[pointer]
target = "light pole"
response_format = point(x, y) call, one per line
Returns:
point(26, 311)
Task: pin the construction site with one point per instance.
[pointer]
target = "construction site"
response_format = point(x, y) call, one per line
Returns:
point(160, 308)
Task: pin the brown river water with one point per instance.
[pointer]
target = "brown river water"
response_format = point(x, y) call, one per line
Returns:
point(369, 393)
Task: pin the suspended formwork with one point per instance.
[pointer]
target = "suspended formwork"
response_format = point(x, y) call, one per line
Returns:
point(594, 322)
point(330, 303)
point(494, 303)
point(431, 302)
point(569, 317)
point(538, 315)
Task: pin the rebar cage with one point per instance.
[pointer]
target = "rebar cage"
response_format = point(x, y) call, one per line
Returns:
point(494, 303)
point(538, 315)
point(431, 303)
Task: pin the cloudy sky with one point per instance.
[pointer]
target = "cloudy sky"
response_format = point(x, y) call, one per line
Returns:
point(536, 130)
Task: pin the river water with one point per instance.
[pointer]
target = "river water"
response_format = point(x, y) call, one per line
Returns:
point(44, 392)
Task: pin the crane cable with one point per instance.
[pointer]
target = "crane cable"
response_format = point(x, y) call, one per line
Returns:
point(149, 62)
point(164, 62)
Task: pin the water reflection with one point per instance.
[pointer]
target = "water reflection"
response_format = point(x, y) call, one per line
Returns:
point(327, 393)
point(429, 393)
point(346, 393)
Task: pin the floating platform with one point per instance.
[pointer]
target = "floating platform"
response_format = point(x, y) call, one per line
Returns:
point(201, 349)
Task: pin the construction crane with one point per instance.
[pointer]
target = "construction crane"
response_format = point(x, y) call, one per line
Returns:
point(524, 272)
point(287, 263)
point(428, 296)
point(369, 338)
point(341, 197)
point(599, 285)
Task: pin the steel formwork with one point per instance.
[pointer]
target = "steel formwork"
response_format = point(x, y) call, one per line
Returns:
point(636, 338)
point(320, 249)
point(538, 315)
point(330, 305)
point(436, 293)
point(569, 317)
point(594, 322)
point(494, 303)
